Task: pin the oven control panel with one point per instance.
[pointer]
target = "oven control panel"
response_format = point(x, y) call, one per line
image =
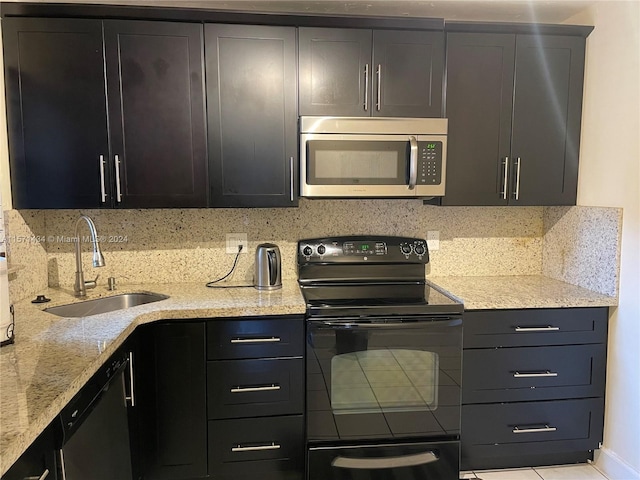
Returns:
point(355, 249)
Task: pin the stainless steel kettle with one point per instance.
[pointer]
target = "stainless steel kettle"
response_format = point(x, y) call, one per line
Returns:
point(268, 270)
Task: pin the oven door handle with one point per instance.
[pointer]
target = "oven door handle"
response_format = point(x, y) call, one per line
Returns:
point(385, 462)
point(440, 321)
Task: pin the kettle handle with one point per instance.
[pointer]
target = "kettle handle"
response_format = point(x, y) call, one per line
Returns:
point(271, 255)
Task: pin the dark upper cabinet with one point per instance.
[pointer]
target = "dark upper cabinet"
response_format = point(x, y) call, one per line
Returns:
point(170, 379)
point(156, 111)
point(56, 111)
point(547, 111)
point(514, 104)
point(352, 72)
point(66, 151)
point(252, 116)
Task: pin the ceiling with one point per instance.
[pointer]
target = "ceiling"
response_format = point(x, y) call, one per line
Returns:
point(543, 11)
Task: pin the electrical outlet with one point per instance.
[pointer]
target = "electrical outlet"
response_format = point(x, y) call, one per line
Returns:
point(234, 240)
point(433, 240)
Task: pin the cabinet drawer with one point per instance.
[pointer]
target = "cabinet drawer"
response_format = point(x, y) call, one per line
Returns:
point(255, 338)
point(532, 327)
point(252, 388)
point(488, 439)
point(533, 373)
point(532, 422)
point(266, 448)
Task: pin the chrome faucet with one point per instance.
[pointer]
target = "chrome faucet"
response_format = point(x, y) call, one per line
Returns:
point(80, 287)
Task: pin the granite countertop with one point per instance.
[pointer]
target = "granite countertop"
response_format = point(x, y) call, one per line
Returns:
point(53, 357)
point(530, 291)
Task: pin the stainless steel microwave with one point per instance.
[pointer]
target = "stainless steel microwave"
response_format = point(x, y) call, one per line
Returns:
point(372, 157)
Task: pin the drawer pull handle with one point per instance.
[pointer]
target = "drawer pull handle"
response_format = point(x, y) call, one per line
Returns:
point(256, 448)
point(44, 475)
point(266, 388)
point(256, 340)
point(548, 328)
point(412, 460)
point(546, 428)
point(535, 374)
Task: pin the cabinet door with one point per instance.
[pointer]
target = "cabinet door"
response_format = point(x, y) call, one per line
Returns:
point(408, 71)
point(479, 102)
point(156, 107)
point(56, 112)
point(251, 104)
point(546, 119)
point(171, 379)
point(335, 72)
point(38, 461)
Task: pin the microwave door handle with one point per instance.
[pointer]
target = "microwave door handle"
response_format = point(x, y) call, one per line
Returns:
point(413, 162)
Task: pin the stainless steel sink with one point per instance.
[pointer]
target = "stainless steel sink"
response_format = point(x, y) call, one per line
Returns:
point(104, 305)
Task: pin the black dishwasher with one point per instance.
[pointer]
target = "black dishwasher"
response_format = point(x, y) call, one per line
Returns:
point(95, 433)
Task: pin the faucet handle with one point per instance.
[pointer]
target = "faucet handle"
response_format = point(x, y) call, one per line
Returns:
point(91, 283)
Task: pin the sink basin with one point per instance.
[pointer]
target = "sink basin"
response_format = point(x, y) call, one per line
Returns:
point(104, 305)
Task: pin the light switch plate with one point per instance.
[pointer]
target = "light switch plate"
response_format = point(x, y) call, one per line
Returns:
point(433, 240)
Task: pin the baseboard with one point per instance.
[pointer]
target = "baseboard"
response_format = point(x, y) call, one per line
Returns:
point(613, 466)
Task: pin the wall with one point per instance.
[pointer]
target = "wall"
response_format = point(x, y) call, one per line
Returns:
point(610, 176)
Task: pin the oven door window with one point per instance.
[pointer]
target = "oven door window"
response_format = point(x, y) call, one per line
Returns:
point(357, 162)
point(385, 380)
point(392, 380)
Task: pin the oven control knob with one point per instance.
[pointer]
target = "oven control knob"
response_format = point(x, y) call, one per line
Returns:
point(307, 251)
point(419, 249)
point(405, 248)
point(321, 249)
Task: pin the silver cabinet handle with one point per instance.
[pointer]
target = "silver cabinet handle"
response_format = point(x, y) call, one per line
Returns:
point(385, 462)
point(546, 428)
point(366, 87)
point(256, 340)
point(291, 180)
point(132, 397)
point(505, 184)
point(103, 191)
point(44, 475)
point(516, 193)
point(256, 448)
point(534, 374)
point(379, 74)
point(265, 388)
point(548, 328)
point(413, 162)
point(118, 187)
point(63, 470)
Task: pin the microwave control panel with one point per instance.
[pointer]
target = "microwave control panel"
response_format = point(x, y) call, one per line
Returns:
point(429, 163)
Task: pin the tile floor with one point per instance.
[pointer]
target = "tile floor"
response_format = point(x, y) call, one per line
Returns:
point(564, 472)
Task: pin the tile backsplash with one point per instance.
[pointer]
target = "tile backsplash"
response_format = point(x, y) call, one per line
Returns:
point(166, 246)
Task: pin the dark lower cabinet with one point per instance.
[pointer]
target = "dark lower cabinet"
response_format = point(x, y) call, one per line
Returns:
point(533, 386)
point(514, 104)
point(239, 417)
point(270, 448)
point(39, 461)
point(171, 379)
point(252, 115)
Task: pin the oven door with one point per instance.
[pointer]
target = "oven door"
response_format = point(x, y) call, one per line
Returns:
point(383, 378)
point(356, 165)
